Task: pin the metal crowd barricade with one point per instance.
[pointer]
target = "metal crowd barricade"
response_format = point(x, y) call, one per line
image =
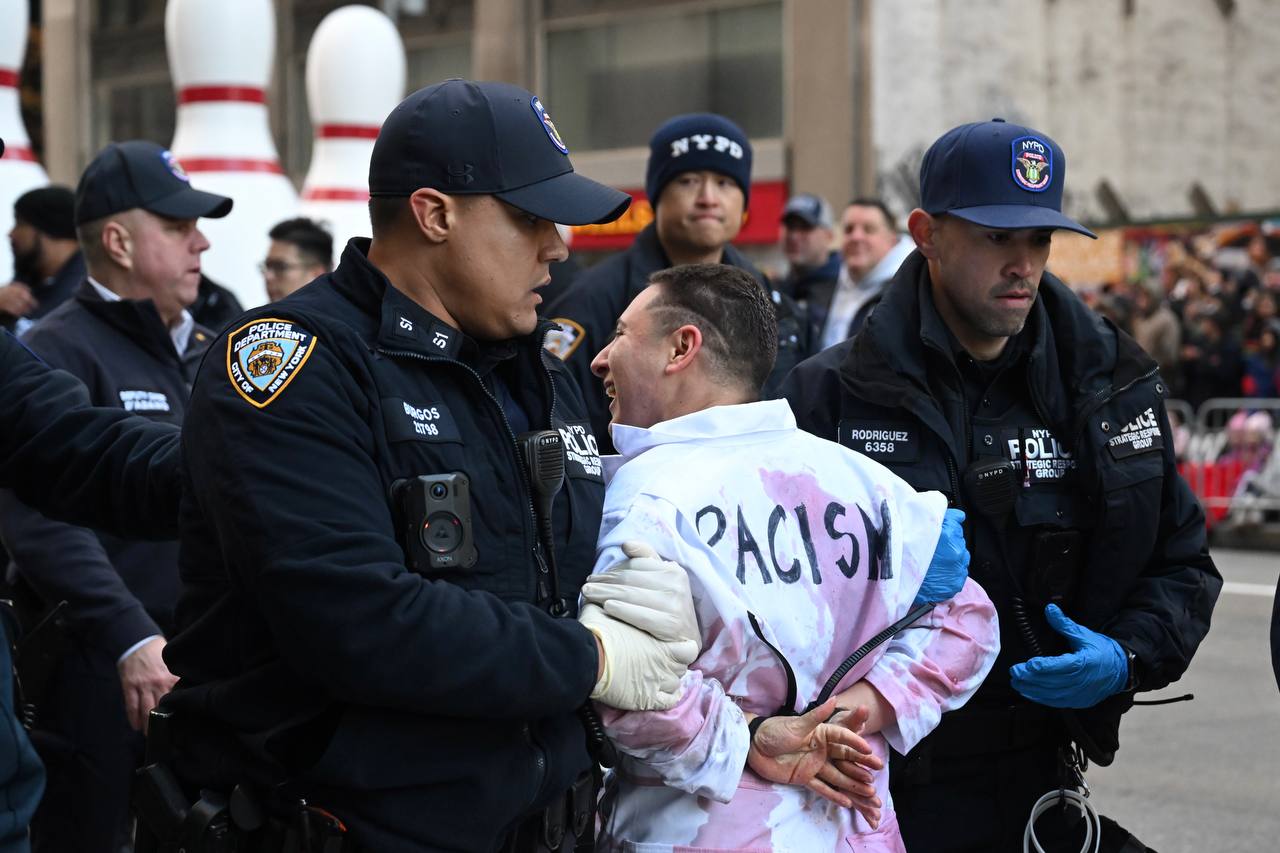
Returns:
point(1235, 485)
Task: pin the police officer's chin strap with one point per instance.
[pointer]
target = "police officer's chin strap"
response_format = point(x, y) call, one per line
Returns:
point(992, 488)
point(543, 454)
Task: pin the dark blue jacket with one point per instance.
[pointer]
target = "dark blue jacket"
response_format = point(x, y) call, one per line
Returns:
point(118, 590)
point(84, 464)
point(21, 774)
point(81, 463)
point(1145, 578)
point(428, 711)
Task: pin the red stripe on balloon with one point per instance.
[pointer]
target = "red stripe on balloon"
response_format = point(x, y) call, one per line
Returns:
point(334, 194)
point(9, 77)
point(229, 164)
point(210, 94)
point(347, 131)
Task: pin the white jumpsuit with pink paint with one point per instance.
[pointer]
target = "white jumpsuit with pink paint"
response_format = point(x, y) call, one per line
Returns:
point(826, 548)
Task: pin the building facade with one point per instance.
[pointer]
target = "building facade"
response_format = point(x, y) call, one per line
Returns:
point(1163, 106)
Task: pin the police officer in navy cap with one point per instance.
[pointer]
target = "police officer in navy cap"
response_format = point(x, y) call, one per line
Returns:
point(86, 464)
point(377, 630)
point(981, 375)
point(127, 334)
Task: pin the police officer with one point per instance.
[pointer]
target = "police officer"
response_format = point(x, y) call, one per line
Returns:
point(126, 333)
point(983, 376)
point(90, 465)
point(433, 708)
point(698, 179)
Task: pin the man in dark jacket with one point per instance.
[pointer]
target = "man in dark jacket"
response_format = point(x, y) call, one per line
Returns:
point(47, 263)
point(984, 377)
point(698, 180)
point(376, 614)
point(128, 336)
point(812, 265)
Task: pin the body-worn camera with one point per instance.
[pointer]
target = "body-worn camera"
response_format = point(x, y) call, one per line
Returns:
point(435, 515)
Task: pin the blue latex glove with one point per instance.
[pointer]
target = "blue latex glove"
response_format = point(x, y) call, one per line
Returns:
point(1096, 668)
point(950, 565)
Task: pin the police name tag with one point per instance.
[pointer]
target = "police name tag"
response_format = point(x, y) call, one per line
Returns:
point(581, 451)
point(883, 441)
point(1141, 435)
point(412, 421)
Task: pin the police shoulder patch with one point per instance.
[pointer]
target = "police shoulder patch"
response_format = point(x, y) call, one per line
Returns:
point(264, 355)
point(564, 338)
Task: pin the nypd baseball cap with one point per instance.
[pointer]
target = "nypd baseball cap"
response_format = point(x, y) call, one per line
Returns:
point(810, 209)
point(142, 174)
point(466, 137)
point(998, 175)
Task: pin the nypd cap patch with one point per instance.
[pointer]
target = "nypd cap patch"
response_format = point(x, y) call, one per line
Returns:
point(1032, 163)
point(263, 357)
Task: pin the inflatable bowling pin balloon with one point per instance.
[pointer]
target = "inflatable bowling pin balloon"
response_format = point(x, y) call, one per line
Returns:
point(220, 56)
point(355, 77)
point(19, 169)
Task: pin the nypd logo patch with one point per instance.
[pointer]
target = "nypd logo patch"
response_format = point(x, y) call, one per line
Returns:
point(564, 338)
point(1032, 163)
point(548, 125)
point(175, 166)
point(263, 357)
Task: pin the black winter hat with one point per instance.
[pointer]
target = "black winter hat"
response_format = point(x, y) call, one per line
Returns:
point(693, 142)
point(50, 210)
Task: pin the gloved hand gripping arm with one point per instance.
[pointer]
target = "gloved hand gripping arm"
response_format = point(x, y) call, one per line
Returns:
point(641, 613)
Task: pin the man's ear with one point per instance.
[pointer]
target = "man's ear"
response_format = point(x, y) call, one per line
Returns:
point(434, 213)
point(117, 244)
point(924, 230)
point(684, 345)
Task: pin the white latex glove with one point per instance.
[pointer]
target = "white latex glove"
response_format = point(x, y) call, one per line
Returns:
point(648, 593)
point(641, 672)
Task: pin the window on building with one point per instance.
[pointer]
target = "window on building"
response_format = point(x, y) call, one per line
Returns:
point(119, 14)
point(432, 63)
point(134, 110)
point(609, 84)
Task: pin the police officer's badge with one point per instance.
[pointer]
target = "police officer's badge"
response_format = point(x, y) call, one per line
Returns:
point(564, 338)
point(548, 125)
point(1032, 163)
point(263, 357)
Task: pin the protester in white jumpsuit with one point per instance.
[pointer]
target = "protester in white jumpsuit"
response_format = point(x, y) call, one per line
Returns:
point(823, 547)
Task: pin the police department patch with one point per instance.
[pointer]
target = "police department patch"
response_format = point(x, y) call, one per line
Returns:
point(174, 166)
point(564, 338)
point(263, 357)
point(548, 125)
point(1032, 163)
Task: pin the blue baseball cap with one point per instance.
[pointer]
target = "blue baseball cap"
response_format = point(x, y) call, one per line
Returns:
point(138, 173)
point(464, 137)
point(998, 175)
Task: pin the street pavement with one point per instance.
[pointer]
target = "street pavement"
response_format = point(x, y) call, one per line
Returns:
point(1204, 776)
